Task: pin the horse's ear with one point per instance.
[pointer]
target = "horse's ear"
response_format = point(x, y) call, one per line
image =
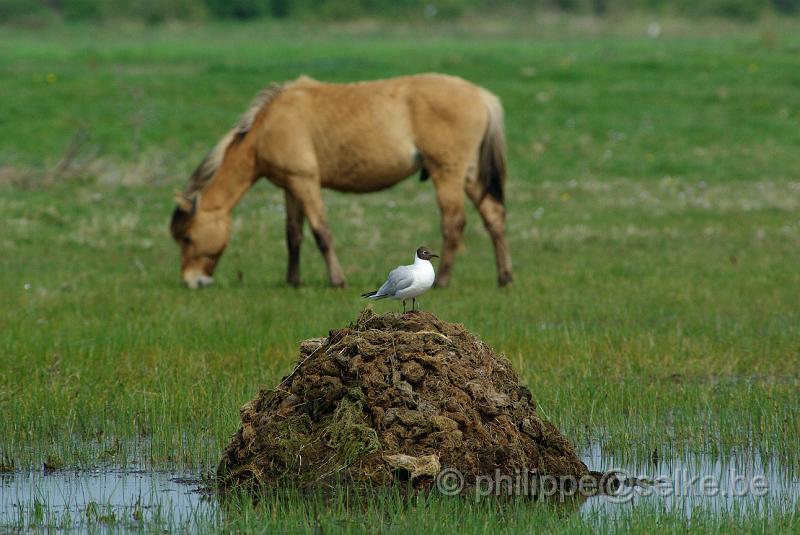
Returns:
point(184, 203)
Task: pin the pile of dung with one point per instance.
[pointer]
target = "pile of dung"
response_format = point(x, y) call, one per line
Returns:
point(394, 397)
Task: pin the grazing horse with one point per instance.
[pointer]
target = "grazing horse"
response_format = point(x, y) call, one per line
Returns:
point(306, 135)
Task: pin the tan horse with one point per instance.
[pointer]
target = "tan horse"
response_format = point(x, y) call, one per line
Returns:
point(306, 135)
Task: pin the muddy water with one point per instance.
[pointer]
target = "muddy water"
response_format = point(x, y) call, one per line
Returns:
point(175, 500)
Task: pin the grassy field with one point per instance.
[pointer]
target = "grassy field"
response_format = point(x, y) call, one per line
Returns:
point(654, 224)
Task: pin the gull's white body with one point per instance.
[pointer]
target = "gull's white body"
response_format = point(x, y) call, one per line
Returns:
point(407, 282)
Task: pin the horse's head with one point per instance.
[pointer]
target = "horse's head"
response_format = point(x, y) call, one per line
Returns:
point(202, 236)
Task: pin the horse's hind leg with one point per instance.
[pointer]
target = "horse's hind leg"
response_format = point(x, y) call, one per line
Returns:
point(294, 237)
point(308, 194)
point(493, 214)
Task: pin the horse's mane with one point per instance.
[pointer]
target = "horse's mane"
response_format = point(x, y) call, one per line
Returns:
point(213, 159)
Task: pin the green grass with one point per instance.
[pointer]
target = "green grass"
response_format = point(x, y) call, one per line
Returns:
point(387, 512)
point(653, 224)
point(436, 515)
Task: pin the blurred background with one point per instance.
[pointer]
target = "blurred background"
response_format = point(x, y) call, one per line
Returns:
point(154, 11)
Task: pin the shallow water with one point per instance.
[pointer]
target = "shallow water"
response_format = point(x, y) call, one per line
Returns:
point(691, 482)
point(172, 500)
point(69, 499)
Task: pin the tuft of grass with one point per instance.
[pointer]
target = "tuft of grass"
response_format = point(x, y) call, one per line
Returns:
point(348, 433)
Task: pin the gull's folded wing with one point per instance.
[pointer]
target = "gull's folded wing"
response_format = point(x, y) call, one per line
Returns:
point(399, 279)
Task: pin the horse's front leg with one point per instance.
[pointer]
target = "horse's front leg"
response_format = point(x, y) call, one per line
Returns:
point(309, 195)
point(450, 194)
point(294, 237)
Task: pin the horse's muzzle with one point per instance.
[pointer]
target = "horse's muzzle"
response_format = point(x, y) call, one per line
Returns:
point(197, 281)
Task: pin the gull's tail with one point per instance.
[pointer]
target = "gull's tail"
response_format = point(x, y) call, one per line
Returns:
point(373, 295)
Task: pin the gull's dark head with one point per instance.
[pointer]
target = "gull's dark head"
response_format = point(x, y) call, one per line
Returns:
point(423, 253)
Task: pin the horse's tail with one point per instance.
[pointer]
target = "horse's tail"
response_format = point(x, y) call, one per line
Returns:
point(492, 158)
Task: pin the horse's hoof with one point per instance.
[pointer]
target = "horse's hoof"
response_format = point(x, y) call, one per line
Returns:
point(504, 279)
point(339, 284)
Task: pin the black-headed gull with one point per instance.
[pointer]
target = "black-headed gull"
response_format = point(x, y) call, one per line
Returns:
point(408, 282)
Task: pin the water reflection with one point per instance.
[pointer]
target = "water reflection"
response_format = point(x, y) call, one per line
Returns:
point(69, 499)
point(744, 482)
